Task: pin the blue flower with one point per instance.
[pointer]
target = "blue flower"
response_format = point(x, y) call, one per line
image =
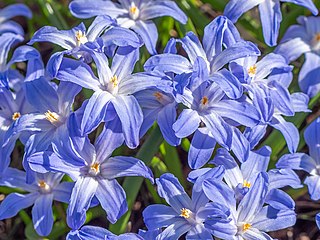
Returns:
point(42, 192)
point(9, 12)
point(93, 171)
point(113, 98)
point(271, 115)
point(250, 218)
point(270, 14)
point(310, 164)
point(71, 40)
point(132, 14)
point(304, 39)
point(207, 104)
point(184, 215)
point(21, 54)
point(219, 34)
point(52, 106)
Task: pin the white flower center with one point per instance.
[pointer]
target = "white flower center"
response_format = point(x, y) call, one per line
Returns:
point(134, 11)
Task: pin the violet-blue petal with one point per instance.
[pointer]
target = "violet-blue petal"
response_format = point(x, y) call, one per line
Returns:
point(95, 111)
point(240, 112)
point(11, 27)
point(312, 138)
point(124, 61)
point(228, 83)
point(131, 117)
point(199, 232)
point(158, 216)
point(193, 47)
point(271, 219)
point(48, 161)
point(279, 178)
point(174, 231)
point(81, 9)
point(279, 199)
point(288, 130)
point(219, 192)
point(79, 73)
point(305, 3)
point(240, 145)
point(168, 62)
point(201, 148)
point(62, 192)
point(166, 118)
point(220, 130)
point(254, 198)
point(163, 8)
point(41, 94)
point(297, 161)
point(81, 196)
point(15, 10)
point(187, 123)
point(235, 8)
point(112, 198)
point(108, 140)
point(99, 24)
point(217, 33)
point(281, 98)
point(171, 190)
point(15, 202)
point(149, 34)
point(233, 175)
point(270, 14)
point(236, 51)
point(309, 75)
point(42, 214)
point(120, 166)
point(121, 37)
point(313, 183)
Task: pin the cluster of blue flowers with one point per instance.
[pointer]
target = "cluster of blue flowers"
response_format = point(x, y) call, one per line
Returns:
point(217, 91)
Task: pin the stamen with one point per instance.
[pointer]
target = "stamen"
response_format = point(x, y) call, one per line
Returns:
point(134, 11)
point(317, 37)
point(246, 227)
point(114, 80)
point(94, 169)
point(252, 71)
point(186, 213)
point(43, 185)
point(246, 184)
point(81, 38)
point(204, 100)
point(158, 95)
point(15, 116)
point(52, 116)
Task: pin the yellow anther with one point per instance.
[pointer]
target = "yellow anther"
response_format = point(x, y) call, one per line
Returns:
point(43, 185)
point(52, 116)
point(16, 115)
point(114, 80)
point(81, 38)
point(246, 184)
point(252, 70)
point(134, 11)
point(95, 168)
point(158, 95)
point(317, 37)
point(246, 227)
point(186, 213)
point(204, 100)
